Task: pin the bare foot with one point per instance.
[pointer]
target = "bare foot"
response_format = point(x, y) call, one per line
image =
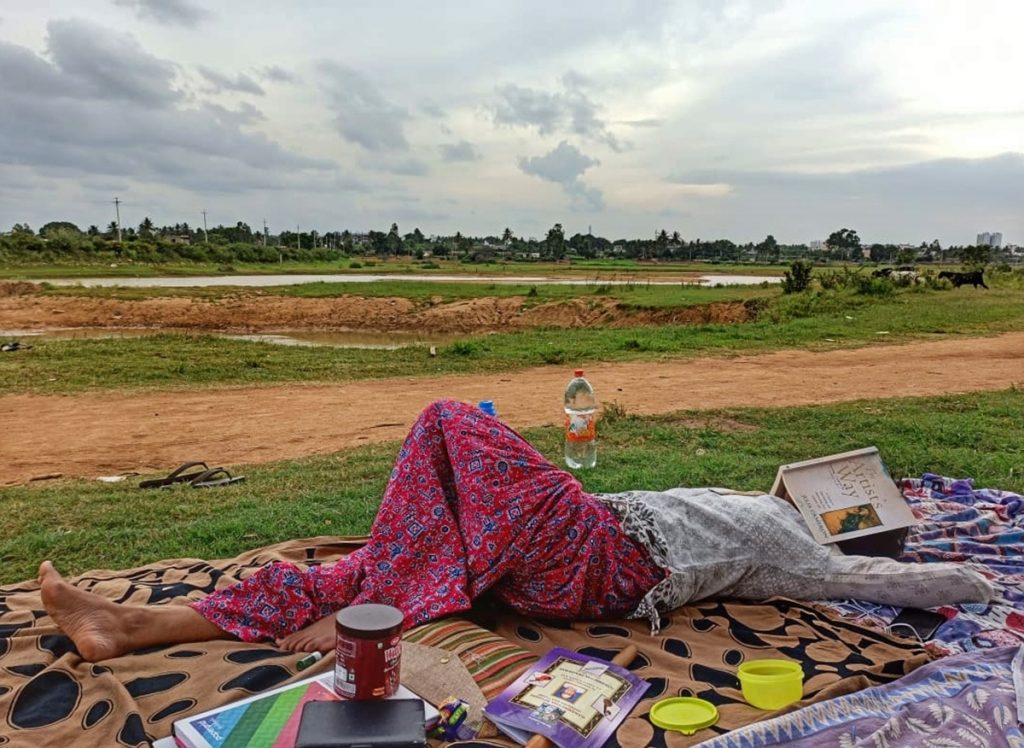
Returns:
point(316, 637)
point(96, 625)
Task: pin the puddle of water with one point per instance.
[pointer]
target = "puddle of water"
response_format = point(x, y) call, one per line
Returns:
point(707, 279)
point(326, 338)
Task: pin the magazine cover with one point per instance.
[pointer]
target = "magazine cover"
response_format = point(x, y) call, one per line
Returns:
point(844, 496)
point(574, 700)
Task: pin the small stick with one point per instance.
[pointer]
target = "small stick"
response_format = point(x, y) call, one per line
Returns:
point(622, 659)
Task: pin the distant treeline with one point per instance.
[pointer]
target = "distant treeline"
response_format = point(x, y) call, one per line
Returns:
point(59, 241)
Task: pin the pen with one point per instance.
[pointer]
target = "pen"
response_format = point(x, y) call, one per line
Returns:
point(309, 660)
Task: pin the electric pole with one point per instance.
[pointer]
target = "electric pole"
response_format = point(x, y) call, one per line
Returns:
point(117, 209)
point(264, 232)
point(298, 237)
point(206, 236)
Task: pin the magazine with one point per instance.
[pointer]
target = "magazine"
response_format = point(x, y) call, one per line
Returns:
point(844, 496)
point(574, 700)
point(266, 720)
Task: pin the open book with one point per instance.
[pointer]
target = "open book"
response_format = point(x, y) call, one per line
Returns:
point(573, 700)
point(844, 496)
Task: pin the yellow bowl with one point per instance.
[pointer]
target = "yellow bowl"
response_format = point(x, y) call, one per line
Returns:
point(771, 684)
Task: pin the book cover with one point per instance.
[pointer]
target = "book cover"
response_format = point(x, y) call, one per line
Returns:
point(844, 496)
point(574, 700)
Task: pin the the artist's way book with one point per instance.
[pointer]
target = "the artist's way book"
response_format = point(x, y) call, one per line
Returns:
point(573, 700)
point(844, 496)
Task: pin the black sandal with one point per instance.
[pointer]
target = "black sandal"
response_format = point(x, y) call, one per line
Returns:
point(209, 479)
point(178, 476)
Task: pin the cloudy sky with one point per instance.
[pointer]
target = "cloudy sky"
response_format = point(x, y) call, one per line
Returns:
point(903, 119)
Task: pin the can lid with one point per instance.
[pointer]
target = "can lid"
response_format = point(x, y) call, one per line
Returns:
point(370, 620)
point(578, 373)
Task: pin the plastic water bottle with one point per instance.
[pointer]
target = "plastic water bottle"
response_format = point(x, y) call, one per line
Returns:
point(580, 423)
point(487, 406)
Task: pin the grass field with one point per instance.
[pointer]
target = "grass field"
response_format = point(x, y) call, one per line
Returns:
point(822, 320)
point(84, 524)
point(435, 266)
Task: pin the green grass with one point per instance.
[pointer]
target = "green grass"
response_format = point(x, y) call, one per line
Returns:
point(434, 265)
point(823, 320)
point(438, 266)
point(83, 524)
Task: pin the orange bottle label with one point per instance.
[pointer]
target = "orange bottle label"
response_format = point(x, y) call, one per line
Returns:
point(581, 428)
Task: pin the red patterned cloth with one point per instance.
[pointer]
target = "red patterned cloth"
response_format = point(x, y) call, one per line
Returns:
point(470, 507)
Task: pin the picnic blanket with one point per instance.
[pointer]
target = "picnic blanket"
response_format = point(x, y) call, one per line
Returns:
point(963, 700)
point(958, 522)
point(49, 696)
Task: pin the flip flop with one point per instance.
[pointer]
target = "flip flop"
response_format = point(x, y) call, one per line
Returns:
point(210, 478)
point(177, 476)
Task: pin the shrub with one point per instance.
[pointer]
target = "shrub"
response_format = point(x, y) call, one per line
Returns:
point(797, 278)
point(464, 348)
point(355, 265)
point(868, 286)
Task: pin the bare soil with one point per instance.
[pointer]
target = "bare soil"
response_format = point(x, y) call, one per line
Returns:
point(22, 309)
point(108, 433)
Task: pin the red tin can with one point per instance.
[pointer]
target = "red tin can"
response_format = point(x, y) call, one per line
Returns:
point(369, 652)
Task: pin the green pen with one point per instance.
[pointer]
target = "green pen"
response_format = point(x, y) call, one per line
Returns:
point(309, 660)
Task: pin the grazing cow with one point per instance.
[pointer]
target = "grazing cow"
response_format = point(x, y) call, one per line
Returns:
point(903, 275)
point(962, 279)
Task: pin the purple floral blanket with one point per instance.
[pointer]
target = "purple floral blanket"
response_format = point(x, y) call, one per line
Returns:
point(963, 700)
point(980, 526)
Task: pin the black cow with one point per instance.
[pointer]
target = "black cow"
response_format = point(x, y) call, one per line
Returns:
point(962, 279)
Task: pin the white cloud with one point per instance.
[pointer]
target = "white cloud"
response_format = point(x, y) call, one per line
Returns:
point(464, 107)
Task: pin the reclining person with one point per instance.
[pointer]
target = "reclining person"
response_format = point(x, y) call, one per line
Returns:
point(471, 507)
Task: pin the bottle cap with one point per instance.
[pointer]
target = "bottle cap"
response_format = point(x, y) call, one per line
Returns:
point(578, 373)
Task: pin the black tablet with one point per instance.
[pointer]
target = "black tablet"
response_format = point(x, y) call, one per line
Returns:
point(386, 723)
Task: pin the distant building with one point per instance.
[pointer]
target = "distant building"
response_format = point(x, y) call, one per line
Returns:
point(990, 239)
point(816, 245)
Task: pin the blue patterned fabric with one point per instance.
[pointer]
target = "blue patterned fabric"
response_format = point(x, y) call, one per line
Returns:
point(980, 526)
point(965, 700)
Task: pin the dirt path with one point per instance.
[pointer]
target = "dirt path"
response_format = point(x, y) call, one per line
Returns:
point(107, 433)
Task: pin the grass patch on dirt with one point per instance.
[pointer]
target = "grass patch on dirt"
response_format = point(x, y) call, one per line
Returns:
point(83, 524)
point(823, 321)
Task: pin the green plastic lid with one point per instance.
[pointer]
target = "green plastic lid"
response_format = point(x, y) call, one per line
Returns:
point(684, 714)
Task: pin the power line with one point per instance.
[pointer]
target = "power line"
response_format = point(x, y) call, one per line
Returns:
point(117, 209)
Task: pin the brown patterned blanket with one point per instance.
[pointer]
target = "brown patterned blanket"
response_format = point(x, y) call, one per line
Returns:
point(50, 697)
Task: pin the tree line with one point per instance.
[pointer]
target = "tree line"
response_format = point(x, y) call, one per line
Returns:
point(63, 240)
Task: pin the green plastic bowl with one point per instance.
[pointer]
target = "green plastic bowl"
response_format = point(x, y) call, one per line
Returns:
point(771, 684)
